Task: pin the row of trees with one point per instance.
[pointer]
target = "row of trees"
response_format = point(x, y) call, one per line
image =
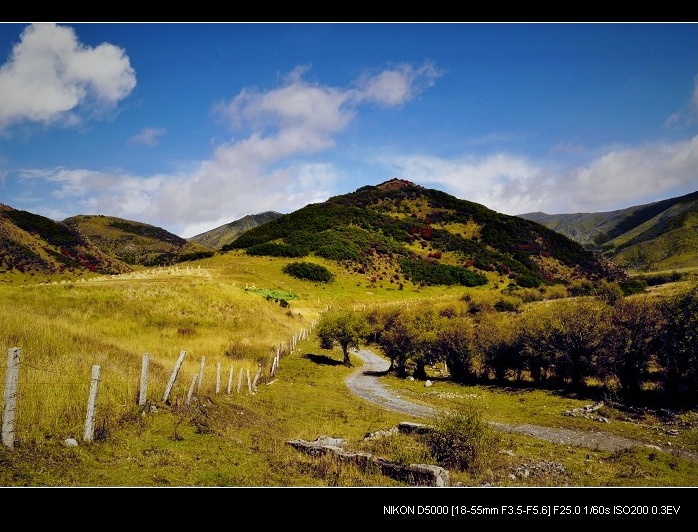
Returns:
point(630, 344)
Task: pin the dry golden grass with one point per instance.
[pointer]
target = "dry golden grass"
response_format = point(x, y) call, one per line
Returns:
point(205, 309)
point(236, 439)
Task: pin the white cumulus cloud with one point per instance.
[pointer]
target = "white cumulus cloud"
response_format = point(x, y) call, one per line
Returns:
point(50, 76)
point(500, 181)
point(516, 185)
point(624, 176)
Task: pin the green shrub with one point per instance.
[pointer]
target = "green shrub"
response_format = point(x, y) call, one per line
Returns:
point(274, 250)
point(309, 272)
point(655, 279)
point(195, 255)
point(56, 233)
point(463, 440)
point(610, 292)
point(581, 287)
point(527, 280)
point(633, 286)
point(432, 273)
point(339, 252)
point(508, 304)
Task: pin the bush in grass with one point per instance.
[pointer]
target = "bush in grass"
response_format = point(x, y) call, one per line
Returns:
point(463, 440)
point(431, 274)
point(274, 250)
point(508, 304)
point(309, 272)
point(610, 292)
point(633, 286)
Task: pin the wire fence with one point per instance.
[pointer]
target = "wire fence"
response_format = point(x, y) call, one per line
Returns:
point(52, 396)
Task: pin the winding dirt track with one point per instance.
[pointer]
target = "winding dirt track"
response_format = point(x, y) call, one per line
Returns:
point(365, 383)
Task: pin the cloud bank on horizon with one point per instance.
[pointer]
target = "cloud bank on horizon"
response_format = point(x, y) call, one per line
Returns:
point(155, 124)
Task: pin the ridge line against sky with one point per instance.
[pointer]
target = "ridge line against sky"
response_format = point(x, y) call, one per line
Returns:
point(192, 126)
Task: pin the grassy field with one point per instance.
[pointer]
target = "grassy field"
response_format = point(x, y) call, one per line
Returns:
point(218, 312)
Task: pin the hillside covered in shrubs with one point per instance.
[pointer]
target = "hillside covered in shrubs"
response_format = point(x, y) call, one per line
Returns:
point(34, 245)
point(31, 244)
point(137, 243)
point(398, 231)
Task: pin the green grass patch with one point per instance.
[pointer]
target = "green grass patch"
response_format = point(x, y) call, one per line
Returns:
point(270, 293)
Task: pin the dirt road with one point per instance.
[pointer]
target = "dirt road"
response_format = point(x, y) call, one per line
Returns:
point(365, 383)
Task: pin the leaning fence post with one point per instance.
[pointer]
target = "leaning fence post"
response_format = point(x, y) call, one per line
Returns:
point(8, 415)
point(256, 377)
point(144, 380)
point(173, 377)
point(191, 388)
point(91, 404)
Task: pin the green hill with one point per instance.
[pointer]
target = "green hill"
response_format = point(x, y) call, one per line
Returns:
point(401, 231)
point(31, 244)
point(136, 243)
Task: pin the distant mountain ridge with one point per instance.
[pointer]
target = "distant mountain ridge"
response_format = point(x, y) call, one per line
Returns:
point(225, 234)
point(655, 236)
point(392, 232)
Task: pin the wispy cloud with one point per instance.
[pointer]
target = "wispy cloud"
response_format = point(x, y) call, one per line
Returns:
point(270, 167)
point(95, 192)
point(50, 77)
point(687, 115)
point(396, 86)
point(148, 136)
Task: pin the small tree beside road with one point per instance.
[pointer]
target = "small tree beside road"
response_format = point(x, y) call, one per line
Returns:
point(347, 328)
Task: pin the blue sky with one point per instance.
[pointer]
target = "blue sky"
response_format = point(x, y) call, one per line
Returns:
point(189, 126)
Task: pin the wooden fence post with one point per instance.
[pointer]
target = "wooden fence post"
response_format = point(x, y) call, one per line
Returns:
point(10, 395)
point(144, 380)
point(256, 377)
point(230, 380)
point(239, 380)
point(218, 378)
point(173, 377)
point(91, 404)
point(249, 382)
point(201, 372)
point(191, 388)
